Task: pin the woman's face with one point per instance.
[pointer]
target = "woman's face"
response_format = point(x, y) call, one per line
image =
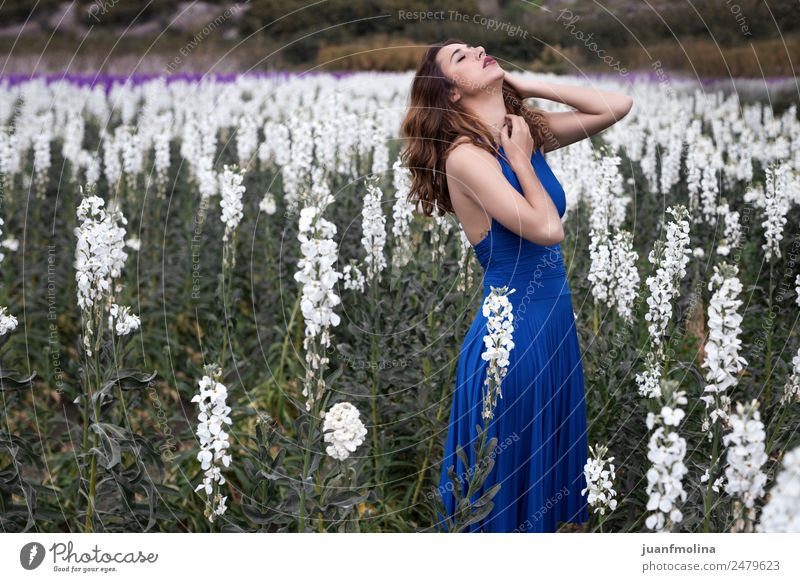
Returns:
point(470, 68)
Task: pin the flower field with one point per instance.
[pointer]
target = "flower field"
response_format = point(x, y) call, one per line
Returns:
point(219, 313)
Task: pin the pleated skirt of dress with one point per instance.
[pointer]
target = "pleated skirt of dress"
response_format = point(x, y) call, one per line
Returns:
point(539, 422)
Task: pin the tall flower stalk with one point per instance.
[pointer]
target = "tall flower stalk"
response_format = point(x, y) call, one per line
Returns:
point(791, 389)
point(499, 342)
point(318, 276)
point(99, 258)
point(402, 216)
point(745, 457)
point(666, 452)
point(669, 258)
point(781, 513)
point(607, 246)
point(723, 365)
point(776, 206)
point(599, 473)
point(373, 226)
point(213, 456)
point(231, 192)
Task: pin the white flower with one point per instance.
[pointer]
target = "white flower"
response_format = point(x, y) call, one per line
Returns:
point(100, 250)
point(666, 451)
point(343, 429)
point(126, 322)
point(733, 230)
point(746, 454)
point(246, 139)
point(499, 342)
point(213, 416)
point(11, 243)
point(599, 473)
point(649, 380)
point(797, 289)
point(317, 274)
point(672, 416)
point(722, 362)
point(465, 254)
point(267, 204)
point(626, 276)
point(791, 389)
point(8, 323)
point(402, 215)
point(776, 207)
point(781, 513)
point(231, 190)
point(669, 258)
point(373, 226)
point(612, 271)
point(353, 278)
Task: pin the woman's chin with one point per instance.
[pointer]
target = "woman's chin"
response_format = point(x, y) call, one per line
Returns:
point(494, 72)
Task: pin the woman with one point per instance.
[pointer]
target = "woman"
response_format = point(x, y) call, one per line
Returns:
point(473, 148)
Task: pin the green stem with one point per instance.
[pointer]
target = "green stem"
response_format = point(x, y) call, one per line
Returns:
point(314, 412)
point(285, 349)
point(301, 525)
point(711, 474)
point(472, 485)
point(428, 453)
point(777, 428)
point(320, 521)
point(374, 392)
point(92, 479)
point(88, 526)
point(224, 292)
point(768, 370)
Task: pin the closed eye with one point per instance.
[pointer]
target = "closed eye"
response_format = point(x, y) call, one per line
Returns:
point(463, 56)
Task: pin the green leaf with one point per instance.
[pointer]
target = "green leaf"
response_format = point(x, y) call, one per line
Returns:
point(129, 379)
point(110, 436)
point(10, 380)
point(347, 499)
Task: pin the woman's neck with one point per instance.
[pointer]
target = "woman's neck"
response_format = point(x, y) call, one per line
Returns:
point(491, 110)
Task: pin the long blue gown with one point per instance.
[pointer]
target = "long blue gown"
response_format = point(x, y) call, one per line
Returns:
point(540, 419)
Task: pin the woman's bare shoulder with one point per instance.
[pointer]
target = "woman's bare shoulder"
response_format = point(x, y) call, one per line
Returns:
point(459, 142)
point(465, 152)
point(469, 167)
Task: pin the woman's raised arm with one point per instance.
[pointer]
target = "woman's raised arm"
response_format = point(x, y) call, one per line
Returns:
point(596, 109)
point(533, 216)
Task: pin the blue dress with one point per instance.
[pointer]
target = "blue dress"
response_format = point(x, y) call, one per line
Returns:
point(540, 419)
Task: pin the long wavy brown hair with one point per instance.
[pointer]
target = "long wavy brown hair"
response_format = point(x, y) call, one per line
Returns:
point(433, 123)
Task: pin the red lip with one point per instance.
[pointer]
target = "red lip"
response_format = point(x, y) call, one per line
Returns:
point(488, 61)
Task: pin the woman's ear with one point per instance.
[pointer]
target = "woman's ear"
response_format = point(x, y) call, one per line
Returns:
point(455, 94)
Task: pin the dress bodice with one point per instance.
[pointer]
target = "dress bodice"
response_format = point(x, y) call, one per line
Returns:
point(507, 258)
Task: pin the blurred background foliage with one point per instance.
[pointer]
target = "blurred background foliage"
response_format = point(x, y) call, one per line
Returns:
point(706, 38)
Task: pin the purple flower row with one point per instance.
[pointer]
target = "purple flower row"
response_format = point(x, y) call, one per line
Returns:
point(108, 81)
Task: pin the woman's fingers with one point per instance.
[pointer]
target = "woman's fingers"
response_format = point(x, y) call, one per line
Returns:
point(522, 125)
